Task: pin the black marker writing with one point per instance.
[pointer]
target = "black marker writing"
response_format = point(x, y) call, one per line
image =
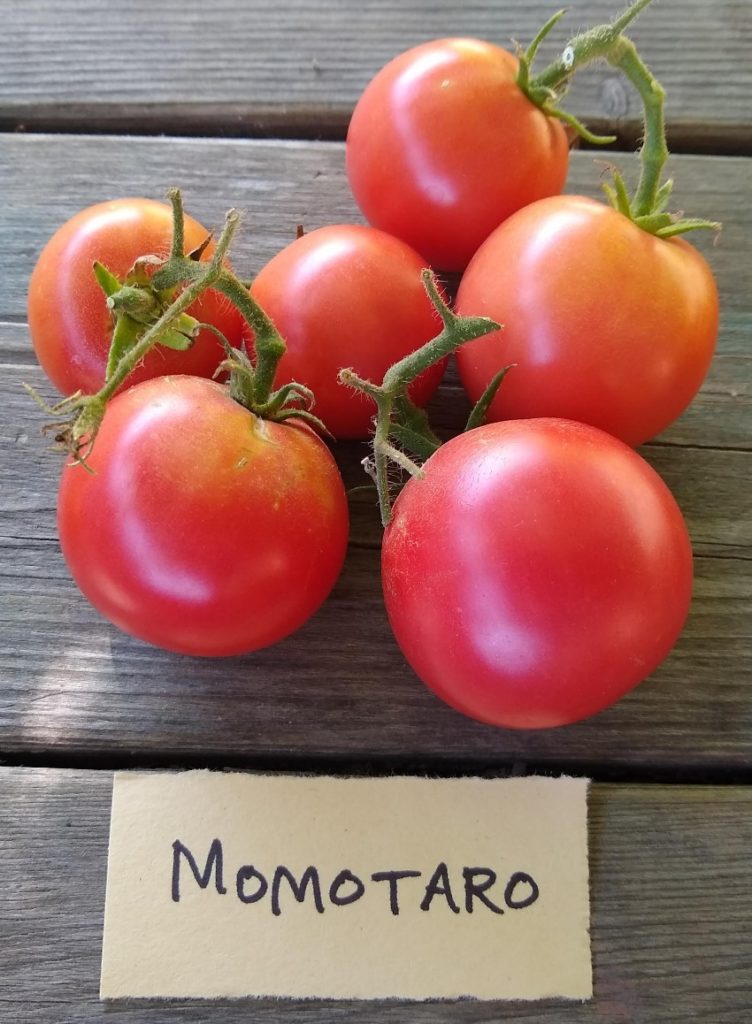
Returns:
point(245, 874)
point(252, 885)
point(439, 886)
point(520, 878)
point(213, 863)
point(343, 878)
point(393, 878)
point(310, 877)
point(473, 888)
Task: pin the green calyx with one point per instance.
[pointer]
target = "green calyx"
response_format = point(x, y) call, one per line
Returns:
point(247, 388)
point(647, 207)
point(137, 306)
point(149, 309)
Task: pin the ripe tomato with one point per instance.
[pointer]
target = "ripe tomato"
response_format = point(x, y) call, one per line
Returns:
point(202, 528)
point(347, 296)
point(69, 321)
point(536, 573)
point(607, 324)
point(443, 145)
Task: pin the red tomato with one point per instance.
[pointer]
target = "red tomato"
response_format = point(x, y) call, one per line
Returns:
point(69, 321)
point(443, 145)
point(202, 528)
point(536, 573)
point(348, 296)
point(607, 324)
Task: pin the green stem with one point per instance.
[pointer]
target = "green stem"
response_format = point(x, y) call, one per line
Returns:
point(392, 393)
point(177, 249)
point(583, 49)
point(457, 330)
point(269, 346)
point(250, 384)
point(381, 461)
point(629, 15)
point(654, 152)
point(607, 42)
point(209, 273)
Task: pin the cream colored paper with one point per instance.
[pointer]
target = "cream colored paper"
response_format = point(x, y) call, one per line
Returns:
point(209, 944)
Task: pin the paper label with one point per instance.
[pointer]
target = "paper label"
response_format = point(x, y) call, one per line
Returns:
point(297, 886)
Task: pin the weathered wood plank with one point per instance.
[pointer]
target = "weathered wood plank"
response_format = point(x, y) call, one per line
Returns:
point(75, 688)
point(73, 685)
point(671, 914)
point(706, 482)
point(170, 67)
point(44, 180)
point(339, 689)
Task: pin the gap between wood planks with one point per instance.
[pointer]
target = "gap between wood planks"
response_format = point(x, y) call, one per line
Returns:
point(679, 775)
point(329, 124)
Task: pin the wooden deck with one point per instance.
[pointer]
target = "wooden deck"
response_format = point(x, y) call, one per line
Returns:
point(247, 105)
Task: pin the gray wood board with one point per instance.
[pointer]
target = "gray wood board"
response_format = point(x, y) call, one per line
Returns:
point(46, 179)
point(300, 66)
point(671, 914)
point(72, 685)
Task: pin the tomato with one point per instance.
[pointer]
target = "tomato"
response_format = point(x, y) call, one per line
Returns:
point(202, 528)
point(347, 296)
point(607, 324)
point(443, 145)
point(69, 321)
point(538, 571)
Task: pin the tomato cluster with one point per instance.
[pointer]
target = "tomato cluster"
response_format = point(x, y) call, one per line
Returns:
point(534, 568)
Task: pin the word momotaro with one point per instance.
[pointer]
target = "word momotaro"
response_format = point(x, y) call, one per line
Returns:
point(253, 886)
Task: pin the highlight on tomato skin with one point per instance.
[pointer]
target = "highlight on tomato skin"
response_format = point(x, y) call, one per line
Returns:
point(605, 323)
point(351, 296)
point(69, 322)
point(443, 145)
point(536, 573)
point(199, 527)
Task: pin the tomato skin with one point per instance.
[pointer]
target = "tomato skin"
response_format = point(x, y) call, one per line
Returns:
point(202, 529)
point(69, 322)
point(443, 145)
point(536, 573)
point(348, 296)
point(606, 323)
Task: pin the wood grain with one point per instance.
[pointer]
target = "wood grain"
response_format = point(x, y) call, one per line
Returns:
point(72, 685)
point(46, 179)
point(671, 914)
point(168, 66)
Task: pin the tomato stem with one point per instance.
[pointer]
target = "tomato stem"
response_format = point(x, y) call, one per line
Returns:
point(583, 49)
point(144, 319)
point(546, 89)
point(654, 151)
point(398, 420)
point(608, 42)
point(269, 346)
point(646, 207)
point(177, 249)
point(208, 275)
